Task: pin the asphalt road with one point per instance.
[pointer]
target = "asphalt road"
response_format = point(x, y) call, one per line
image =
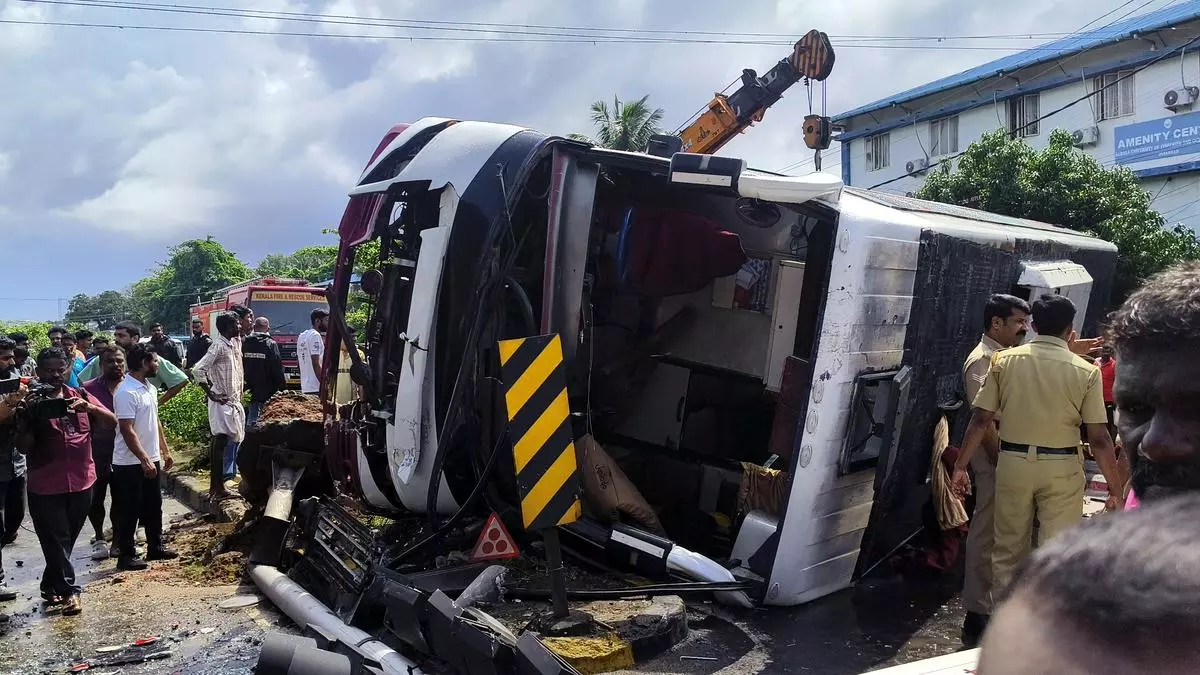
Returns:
point(121, 607)
point(882, 622)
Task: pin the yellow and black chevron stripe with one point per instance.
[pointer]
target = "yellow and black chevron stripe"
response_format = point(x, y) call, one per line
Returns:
point(539, 425)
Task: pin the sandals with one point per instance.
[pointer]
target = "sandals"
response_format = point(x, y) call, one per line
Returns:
point(73, 605)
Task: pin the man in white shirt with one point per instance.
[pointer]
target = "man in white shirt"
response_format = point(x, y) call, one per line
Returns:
point(140, 454)
point(310, 348)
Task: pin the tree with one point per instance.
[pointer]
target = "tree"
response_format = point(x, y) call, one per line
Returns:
point(106, 309)
point(626, 126)
point(1063, 186)
point(311, 263)
point(195, 269)
point(37, 331)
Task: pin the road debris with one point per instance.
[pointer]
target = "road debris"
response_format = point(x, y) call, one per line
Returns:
point(239, 601)
point(138, 651)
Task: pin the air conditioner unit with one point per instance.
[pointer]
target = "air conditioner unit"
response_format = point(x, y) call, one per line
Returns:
point(916, 165)
point(1175, 99)
point(1085, 136)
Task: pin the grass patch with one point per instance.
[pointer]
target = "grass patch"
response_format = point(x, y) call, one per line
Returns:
point(189, 457)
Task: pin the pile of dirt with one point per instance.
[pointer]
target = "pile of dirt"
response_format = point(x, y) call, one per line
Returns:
point(291, 405)
point(204, 558)
point(289, 420)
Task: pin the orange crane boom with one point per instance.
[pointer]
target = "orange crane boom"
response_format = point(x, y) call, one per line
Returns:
point(727, 116)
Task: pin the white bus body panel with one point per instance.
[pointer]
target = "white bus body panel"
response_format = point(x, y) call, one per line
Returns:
point(866, 318)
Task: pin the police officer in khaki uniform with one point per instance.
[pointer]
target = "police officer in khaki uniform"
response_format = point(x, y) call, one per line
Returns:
point(1005, 324)
point(1041, 392)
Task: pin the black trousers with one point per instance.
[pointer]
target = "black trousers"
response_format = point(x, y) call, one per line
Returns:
point(136, 497)
point(12, 503)
point(57, 520)
point(99, 490)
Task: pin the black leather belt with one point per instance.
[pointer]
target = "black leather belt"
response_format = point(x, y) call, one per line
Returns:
point(1018, 447)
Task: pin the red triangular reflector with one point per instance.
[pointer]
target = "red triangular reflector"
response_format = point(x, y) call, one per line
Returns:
point(495, 543)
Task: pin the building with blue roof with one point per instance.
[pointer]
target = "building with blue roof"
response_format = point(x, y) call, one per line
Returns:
point(1140, 81)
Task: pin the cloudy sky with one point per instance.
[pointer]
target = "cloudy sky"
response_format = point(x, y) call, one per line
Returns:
point(117, 143)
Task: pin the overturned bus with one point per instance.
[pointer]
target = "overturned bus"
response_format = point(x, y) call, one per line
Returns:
point(758, 359)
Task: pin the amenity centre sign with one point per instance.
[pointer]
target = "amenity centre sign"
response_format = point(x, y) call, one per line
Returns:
point(1157, 139)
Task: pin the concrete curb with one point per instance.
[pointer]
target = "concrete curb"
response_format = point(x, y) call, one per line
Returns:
point(641, 630)
point(194, 495)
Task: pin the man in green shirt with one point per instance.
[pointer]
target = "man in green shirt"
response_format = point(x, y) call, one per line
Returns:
point(169, 380)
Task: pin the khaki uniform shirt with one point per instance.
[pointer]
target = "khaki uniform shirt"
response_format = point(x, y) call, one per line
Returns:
point(975, 368)
point(1042, 392)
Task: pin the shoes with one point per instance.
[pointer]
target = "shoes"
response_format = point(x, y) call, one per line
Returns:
point(132, 563)
point(52, 600)
point(140, 536)
point(8, 539)
point(973, 627)
point(7, 595)
point(162, 554)
point(73, 605)
point(100, 550)
point(222, 496)
point(113, 551)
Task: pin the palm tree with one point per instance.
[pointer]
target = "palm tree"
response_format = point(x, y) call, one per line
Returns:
point(625, 126)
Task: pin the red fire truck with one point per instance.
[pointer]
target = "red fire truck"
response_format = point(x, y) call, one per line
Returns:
point(286, 302)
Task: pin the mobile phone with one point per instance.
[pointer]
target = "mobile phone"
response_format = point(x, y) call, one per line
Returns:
point(9, 386)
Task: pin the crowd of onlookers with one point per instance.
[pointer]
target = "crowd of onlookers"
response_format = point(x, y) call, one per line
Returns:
point(80, 431)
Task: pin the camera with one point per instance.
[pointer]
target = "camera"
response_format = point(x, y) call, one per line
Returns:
point(10, 386)
point(42, 405)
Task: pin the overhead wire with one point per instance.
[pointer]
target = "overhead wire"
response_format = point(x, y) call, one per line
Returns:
point(809, 160)
point(434, 24)
point(426, 24)
point(1171, 213)
point(916, 113)
point(703, 108)
point(933, 105)
point(502, 28)
point(584, 40)
point(490, 31)
point(1168, 54)
point(1058, 64)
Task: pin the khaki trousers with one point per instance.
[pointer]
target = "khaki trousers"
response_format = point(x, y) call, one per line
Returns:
point(1050, 486)
point(977, 581)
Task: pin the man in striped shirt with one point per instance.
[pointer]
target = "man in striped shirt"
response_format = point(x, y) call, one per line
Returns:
point(220, 375)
